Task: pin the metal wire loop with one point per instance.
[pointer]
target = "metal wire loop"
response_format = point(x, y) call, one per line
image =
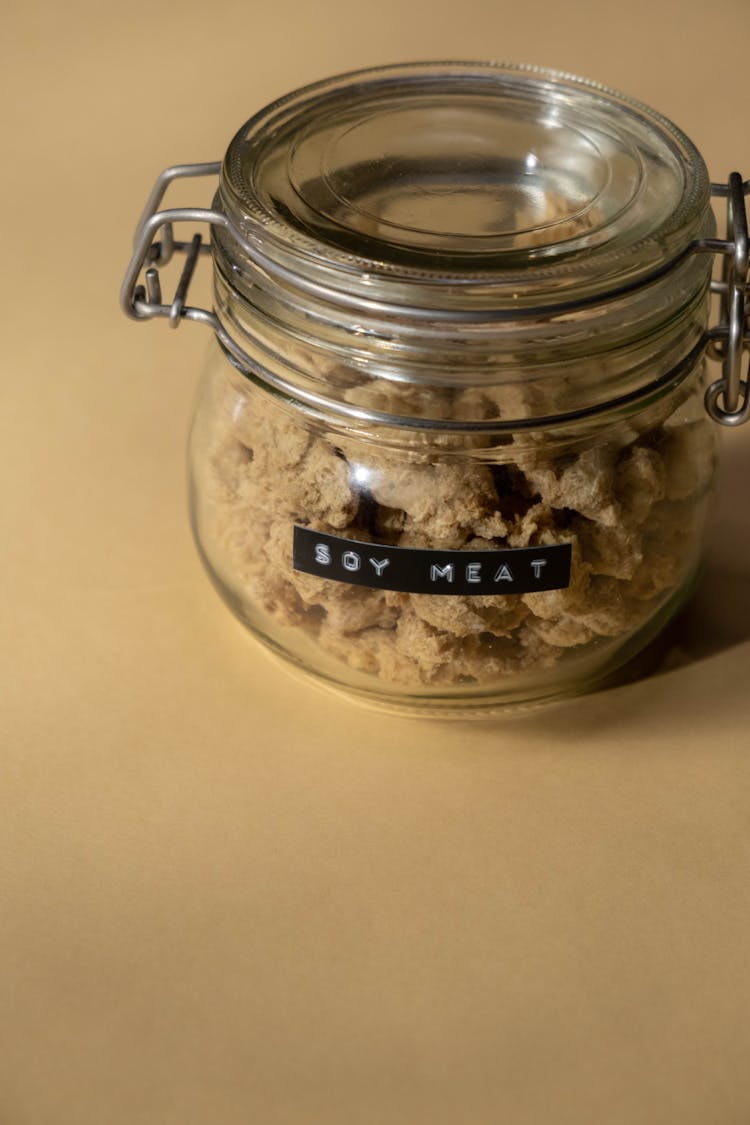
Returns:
point(144, 303)
point(727, 399)
point(728, 417)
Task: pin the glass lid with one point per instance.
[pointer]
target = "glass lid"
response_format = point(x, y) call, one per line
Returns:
point(524, 182)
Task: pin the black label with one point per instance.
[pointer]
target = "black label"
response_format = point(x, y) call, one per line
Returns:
point(520, 570)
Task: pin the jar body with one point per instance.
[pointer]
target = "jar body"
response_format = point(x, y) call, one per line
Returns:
point(450, 451)
point(629, 492)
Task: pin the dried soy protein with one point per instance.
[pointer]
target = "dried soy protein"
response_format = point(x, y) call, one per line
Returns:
point(624, 504)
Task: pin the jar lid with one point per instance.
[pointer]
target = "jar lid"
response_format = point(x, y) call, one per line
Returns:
point(519, 185)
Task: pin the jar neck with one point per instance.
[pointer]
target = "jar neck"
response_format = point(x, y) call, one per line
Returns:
point(464, 364)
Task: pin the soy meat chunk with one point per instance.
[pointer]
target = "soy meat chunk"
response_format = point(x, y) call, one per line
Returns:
point(569, 602)
point(485, 657)
point(278, 597)
point(244, 543)
point(572, 600)
point(275, 441)
point(429, 648)
point(561, 632)
point(319, 488)
point(610, 611)
point(660, 574)
point(388, 524)
point(442, 500)
point(613, 551)
point(361, 651)
point(415, 400)
point(528, 528)
point(665, 533)
point(353, 609)
point(438, 656)
point(227, 471)
point(640, 483)
point(347, 609)
point(409, 654)
point(415, 653)
point(585, 485)
point(470, 616)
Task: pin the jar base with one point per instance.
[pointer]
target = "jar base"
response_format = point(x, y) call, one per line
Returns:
point(638, 656)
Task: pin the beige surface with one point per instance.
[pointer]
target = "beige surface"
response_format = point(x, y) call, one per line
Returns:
point(227, 897)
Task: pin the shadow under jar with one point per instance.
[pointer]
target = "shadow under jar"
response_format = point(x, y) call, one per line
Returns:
point(451, 449)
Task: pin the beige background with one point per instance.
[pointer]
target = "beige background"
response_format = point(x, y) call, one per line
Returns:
point(226, 896)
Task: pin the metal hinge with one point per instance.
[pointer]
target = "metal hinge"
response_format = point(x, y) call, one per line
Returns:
point(728, 399)
point(143, 302)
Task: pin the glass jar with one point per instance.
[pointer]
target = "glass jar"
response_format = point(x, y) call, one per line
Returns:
point(451, 450)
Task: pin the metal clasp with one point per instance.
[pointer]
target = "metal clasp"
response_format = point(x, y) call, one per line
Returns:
point(145, 302)
point(728, 398)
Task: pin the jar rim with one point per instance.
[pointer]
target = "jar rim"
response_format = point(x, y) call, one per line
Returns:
point(479, 184)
